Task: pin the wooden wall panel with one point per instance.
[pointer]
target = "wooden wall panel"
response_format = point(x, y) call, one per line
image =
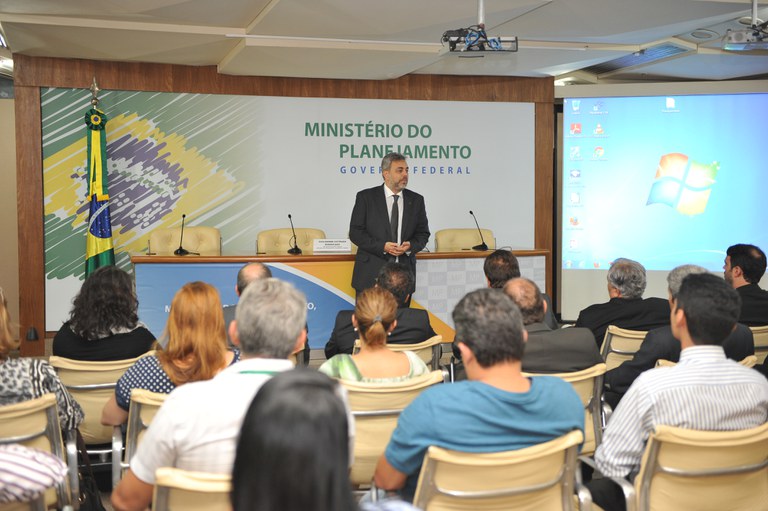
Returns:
point(29, 193)
point(31, 73)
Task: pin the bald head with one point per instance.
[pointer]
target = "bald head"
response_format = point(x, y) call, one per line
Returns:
point(527, 296)
point(250, 273)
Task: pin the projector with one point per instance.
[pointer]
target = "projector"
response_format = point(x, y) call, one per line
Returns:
point(745, 40)
point(474, 39)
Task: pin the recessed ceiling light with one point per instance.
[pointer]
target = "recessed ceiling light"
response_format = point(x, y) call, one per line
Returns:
point(747, 21)
point(703, 33)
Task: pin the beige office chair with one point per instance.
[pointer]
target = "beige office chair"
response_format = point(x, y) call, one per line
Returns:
point(535, 478)
point(620, 345)
point(35, 423)
point(143, 408)
point(457, 240)
point(760, 333)
point(429, 351)
point(279, 241)
point(376, 408)
point(182, 490)
point(588, 384)
point(204, 241)
point(702, 470)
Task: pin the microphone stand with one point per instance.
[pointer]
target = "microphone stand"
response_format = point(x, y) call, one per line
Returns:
point(181, 251)
point(482, 246)
point(295, 250)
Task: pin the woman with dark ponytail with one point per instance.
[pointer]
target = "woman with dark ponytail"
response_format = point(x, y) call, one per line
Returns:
point(374, 319)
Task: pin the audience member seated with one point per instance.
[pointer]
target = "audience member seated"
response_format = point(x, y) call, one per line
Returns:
point(26, 473)
point(198, 425)
point(247, 274)
point(104, 322)
point(626, 307)
point(374, 319)
point(196, 350)
point(497, 409)
point(500, 266)
point(660, 344)
point(295, 430)
point(412, 324)
point(23, 379)
point(744, 267)
point(704, 391)
point(549, 351)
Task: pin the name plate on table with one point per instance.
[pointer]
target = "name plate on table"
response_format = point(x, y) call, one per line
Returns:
point(332, 246)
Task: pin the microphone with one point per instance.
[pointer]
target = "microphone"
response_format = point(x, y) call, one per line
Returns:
point(481, 246)
point(295, 250)
point(181, 251)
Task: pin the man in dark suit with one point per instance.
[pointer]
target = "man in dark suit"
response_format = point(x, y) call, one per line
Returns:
point(744, 267)
point(389, 223)
point(626, 307)
point(549, 351)
point(412, 324)
point(660, 344)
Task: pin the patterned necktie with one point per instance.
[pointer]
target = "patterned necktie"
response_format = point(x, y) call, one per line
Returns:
point(394, 219)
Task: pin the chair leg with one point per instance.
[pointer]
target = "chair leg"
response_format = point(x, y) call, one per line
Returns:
point(73, 470)
point(117, 455)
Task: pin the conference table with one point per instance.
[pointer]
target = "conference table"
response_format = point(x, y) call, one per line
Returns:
point(442, 279)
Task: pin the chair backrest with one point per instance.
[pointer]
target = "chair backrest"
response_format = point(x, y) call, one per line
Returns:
point(429, 351)
point(35, 424)
point(620, 344)
point(143, 408)
point(205, 241)
point(760, 333)
point(688, 469)
point(376, 407)
point(534, 478)
point(278, 241)
point(92, 384)
point(456, 240)
point(588, 384)
point(182, 490)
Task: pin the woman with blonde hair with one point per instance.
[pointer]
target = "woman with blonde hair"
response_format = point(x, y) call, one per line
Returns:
point(196, 350)
point(374, 319)
point(23, 379)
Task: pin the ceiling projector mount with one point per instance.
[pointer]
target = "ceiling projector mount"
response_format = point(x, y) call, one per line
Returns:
point(748, 39)
point(474, 38)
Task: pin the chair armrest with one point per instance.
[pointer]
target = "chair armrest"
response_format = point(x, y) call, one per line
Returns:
point(630, 496)
point(70, 447)
point(585, 498)
point(117, 455)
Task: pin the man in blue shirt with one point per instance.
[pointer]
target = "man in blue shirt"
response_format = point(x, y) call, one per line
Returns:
point(496, 409)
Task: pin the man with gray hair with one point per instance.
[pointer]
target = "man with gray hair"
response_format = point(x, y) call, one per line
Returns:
point(626, 307)
point(197, 426)
point(497, 409)
point(388, 223)
point(660, 344)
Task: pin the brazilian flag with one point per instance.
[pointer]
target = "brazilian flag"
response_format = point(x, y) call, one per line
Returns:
point(98, 248)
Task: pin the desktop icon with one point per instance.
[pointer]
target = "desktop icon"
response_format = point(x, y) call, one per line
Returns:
point(576, 105)
point(574, 221)
point(575, 173)
point(682, 184)
point(575, 152)
point(670, 103)
point(598, 153)
point(575, 128)
point(599, 130)
point(575, 198)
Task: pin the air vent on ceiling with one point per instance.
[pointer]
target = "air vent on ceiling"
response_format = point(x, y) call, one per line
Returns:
point(645, 56)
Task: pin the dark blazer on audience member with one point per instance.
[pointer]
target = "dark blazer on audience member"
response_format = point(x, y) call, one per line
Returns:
point(369, 229)
point(412, 327)
point(660, 344)
point(629, 313)
point(559, 351)
point(754, 305)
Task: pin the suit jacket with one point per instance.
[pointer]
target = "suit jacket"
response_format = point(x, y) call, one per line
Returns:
point(412, 327)
point(660, 344)
point(559, 351)
point(754, 305)
point(630, 313)
point(369, 229)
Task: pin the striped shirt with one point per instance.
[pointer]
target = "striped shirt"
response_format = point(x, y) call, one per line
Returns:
point(704, 391)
